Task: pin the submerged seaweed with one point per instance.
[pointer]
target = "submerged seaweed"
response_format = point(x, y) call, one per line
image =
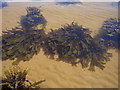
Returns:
point(73, 44)
point(16, 79)
point(23, 42)
point(32, 19)
point(109, 33)
point(20, 44)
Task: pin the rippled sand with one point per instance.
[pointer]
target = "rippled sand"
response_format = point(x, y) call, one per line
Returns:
point(60, 74)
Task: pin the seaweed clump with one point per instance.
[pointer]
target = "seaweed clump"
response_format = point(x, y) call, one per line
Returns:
point(21, 45)
point(16, 78)
point(109, 33)
point(23, 42)
point(73, 44)
point(33, 19)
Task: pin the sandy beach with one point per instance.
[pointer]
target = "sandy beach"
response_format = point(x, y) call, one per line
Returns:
point(59, 74)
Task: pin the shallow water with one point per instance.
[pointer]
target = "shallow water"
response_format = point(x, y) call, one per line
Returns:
point(60, 74)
